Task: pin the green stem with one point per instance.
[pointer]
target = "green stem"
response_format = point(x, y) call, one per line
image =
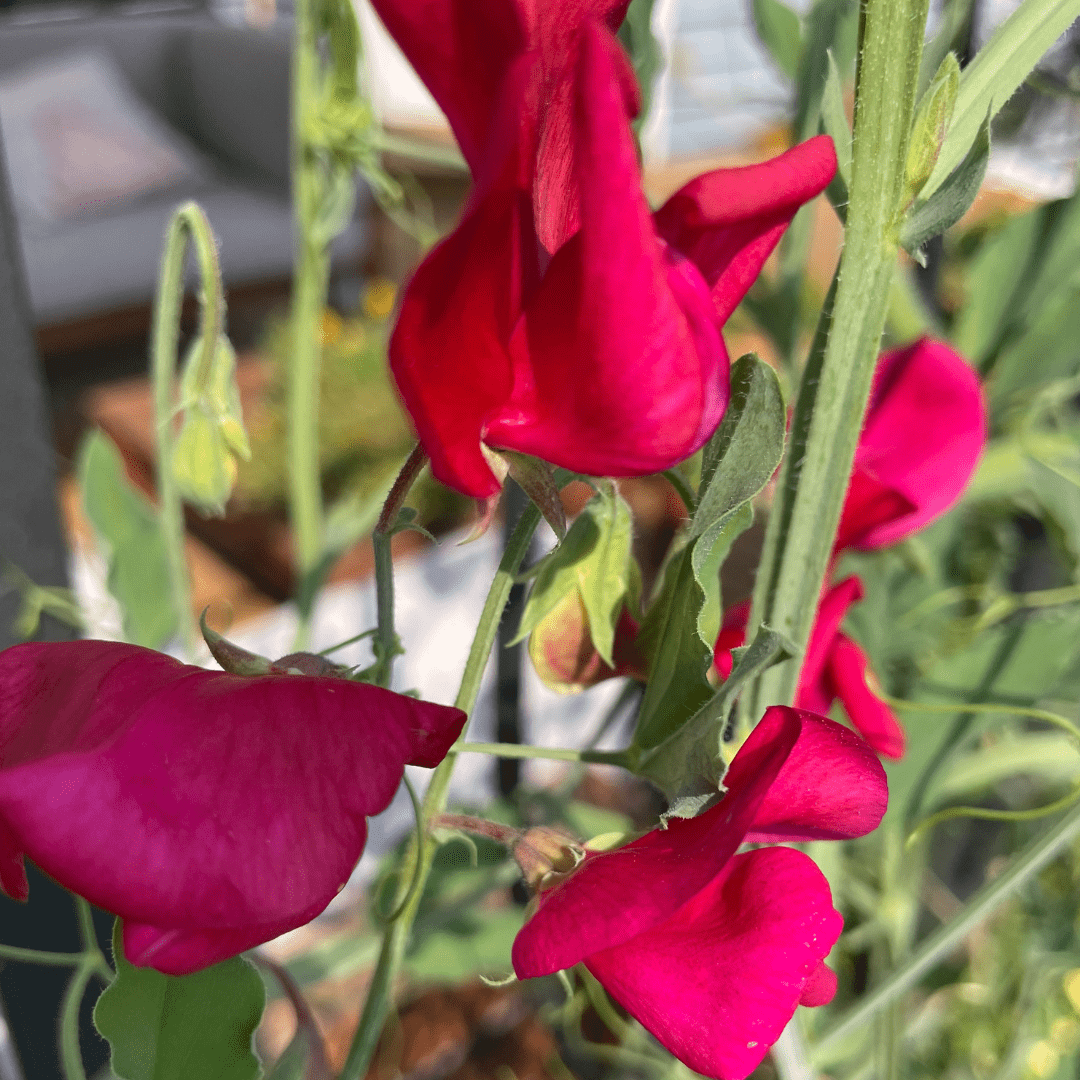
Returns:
point(310, 278)
point(830, 407)
point(70, 1054)
point(397, 934)
point(517, 750)
point(386, 643)
point(189, 222)
point(938, 946)
point(40, 956)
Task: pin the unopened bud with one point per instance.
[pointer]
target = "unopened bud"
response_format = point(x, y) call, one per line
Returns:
point(546, 855)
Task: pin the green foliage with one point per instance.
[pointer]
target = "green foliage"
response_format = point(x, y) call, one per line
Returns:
point(1001, 65)
point(127, 526)
point(161, 1027)
point(737, 463)
point(932, 119)
point(780, 30)
point(948, 203)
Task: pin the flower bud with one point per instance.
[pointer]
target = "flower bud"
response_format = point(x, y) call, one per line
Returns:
point(546, 855)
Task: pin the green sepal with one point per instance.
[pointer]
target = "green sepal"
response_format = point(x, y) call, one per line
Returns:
point(128, 526)
point(948, 204)
point(164, 1027)
point(232, 658)
point(595, 560)
point(537, 479)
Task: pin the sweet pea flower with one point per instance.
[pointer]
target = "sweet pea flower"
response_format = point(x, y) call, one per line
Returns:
point(925, 428)
point(561, 319)
point(712, 950)
point(210, 811)
point(834, 668)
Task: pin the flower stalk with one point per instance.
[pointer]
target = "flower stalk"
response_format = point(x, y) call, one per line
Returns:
point(189, 223)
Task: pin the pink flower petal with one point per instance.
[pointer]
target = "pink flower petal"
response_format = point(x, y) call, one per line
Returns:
point(831, 786)
point(620, 370)
point(830, 614)
point(448, 351)
point(872, 718)
point(728, 221)
point(925, 429)
point(619, 894)
point(719, 980)
point(218, 806)
point(820, 988)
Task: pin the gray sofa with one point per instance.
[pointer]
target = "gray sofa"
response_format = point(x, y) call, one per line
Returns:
point(225, 92)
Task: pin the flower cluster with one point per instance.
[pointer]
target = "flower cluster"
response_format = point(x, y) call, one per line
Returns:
point(560, 318)
point(712, 950)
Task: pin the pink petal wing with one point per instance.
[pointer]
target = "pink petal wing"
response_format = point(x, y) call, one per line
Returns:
point(717, 982)
point(830, 614)
point(924, 431)
point(831, 786)
point(820, 988)
point(868, 505)
point(728, 221)
point(449, 352)
point(617, 895)
point(218, 802)
point(873, 719)
point(620, 370)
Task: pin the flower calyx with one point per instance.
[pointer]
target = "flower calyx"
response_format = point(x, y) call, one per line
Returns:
point(546, 855)
point(239, 661)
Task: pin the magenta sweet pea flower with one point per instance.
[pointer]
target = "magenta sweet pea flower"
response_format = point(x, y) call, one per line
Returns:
point(834, 668)
point(709, 949)
point(924, 431)
point(210, 811)
point(560, 318)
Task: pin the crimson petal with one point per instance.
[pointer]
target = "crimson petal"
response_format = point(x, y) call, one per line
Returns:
point(717, 982)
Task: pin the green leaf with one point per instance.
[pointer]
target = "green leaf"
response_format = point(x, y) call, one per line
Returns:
point(949, 202)
point(993, 280)
point(595, 560)
point(834, 124)
point(679, 659)
point(932, 119)
point(1001, 65)
point(680, 628)
point(691, 762)
point(127, 525)
point(1057, 268)
point(780, 31)
point(161, 1027)
point(829, 25)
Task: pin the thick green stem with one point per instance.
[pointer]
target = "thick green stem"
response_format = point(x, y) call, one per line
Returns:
point(938, 946)
point(830, 407)
point(310, 278)
point(188, 222)
point(397, 934)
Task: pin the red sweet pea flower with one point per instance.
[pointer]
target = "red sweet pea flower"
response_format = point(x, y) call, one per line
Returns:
point(560, 319)
point(834, 668)
point(924, 431)
point(711, 950)
point(211, 812)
